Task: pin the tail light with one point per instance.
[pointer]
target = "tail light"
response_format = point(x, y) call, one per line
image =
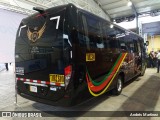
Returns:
point(67, 73)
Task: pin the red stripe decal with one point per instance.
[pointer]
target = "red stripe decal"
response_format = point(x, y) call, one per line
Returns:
point(24, 79)
point(47, 82)
point(38, 81)
point(100, 87)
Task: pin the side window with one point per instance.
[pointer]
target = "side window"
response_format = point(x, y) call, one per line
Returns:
point(130, 44)
point(109, 36)
point(135, 45)
point(126, 42)
point(90, 31)
point(122, 37)
point(123, 44)
point(83, 31)
point(135, 41)
point(94, 32)
point(87, 40)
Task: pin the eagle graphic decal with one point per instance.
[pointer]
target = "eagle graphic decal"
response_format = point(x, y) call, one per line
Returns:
point(35, 35)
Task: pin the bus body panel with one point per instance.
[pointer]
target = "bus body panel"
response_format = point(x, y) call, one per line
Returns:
point(39, 55)
point(71, 55)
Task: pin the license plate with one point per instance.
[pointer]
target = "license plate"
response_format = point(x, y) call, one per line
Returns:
point(56, 78)
point(33, 89)
point(20, 70)
point(53, 88)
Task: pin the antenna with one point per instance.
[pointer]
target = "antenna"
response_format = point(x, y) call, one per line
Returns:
point(39, 9)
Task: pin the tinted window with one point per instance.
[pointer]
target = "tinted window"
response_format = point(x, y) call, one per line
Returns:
point(44, 30)
point(39, 35)
point(109, 36)
point(94, 32)
point(92, 36)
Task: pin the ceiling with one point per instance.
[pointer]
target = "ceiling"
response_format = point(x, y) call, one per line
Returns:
point(115, 9)
point(119, 8)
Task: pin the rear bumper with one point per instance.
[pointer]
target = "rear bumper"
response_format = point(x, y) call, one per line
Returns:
point(62, 102)
point(45, 95)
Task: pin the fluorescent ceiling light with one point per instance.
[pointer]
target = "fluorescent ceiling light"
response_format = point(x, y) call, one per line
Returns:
point(111, 26)
point(129, 3)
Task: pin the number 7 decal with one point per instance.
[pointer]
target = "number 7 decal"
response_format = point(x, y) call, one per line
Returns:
point(58, 19)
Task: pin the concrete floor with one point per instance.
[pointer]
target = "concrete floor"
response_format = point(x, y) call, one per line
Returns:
point(142, 94)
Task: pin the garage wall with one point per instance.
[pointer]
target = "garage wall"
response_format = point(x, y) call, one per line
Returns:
point(9, 22)
point(154, 44)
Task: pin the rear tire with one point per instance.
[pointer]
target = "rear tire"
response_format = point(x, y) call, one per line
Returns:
point(118, 87)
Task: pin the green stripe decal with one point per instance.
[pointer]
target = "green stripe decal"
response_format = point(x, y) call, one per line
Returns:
point(98, 88)
point(101, 82)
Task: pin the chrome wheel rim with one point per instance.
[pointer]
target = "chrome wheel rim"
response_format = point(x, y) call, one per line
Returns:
point(119, 85)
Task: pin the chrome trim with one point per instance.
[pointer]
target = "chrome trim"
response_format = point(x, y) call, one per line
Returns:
point(37, 84)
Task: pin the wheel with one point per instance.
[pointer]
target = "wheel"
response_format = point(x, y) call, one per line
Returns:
point(118, 87)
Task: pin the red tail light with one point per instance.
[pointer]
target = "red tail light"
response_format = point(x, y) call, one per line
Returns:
point(67, 73)
point(68, 70)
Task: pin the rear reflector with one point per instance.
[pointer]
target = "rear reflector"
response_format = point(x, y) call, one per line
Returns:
point(27, 81)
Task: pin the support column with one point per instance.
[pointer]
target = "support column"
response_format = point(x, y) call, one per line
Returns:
point(137, 30)
point(152, 42)
point(136, 15)
point(140, 28)
point(145, 39)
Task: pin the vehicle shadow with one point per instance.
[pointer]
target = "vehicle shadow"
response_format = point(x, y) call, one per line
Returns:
point(73, 111)
point(85, 109)
point(143, 101)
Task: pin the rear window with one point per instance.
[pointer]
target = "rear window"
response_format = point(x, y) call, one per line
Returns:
point(39, 44)
point(42, 30)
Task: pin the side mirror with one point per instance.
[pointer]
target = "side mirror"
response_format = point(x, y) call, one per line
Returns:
point(147, 43)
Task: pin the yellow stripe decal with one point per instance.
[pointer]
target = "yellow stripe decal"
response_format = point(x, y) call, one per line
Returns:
point(104, 90)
